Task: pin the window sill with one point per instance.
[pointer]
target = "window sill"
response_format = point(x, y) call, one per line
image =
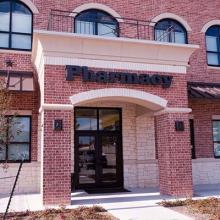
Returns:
point(15, 51)
point(203, 160)
point(20, 91)
point(15, 162)
point(26, 164)
point(213, 68)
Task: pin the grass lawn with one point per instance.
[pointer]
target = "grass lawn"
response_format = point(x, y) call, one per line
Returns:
point(204, 209)
point(81, 213)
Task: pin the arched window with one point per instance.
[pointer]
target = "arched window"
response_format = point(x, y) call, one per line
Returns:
point(96, 22)
point(169, 30)
point(15, 25)
point(213, 45)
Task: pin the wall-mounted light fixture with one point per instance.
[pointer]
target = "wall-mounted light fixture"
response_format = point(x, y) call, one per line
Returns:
point(179, 125)
point(58, 125)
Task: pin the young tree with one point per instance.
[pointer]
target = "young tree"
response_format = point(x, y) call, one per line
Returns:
point(4, 108)
point(10, 127)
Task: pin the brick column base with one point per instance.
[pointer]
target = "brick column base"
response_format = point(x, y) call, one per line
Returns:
point(174, 155)
point(57, 159)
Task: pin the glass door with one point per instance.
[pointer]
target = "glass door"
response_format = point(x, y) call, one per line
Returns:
point(111, 163)
point(98, 148)
point(86, 159)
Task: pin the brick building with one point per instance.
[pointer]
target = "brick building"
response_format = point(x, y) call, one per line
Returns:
point(111, 95)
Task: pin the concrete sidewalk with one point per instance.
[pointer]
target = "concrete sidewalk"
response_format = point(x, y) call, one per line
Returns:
point(139, 204)
point(22, 202)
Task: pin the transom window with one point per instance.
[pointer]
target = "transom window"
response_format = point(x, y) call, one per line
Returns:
point(93, 119)
point(16, 81)
point(15, 25)
point(168, 30)
point(15, 143)
point(216, 137)
point(96, 22)
point(213, 45)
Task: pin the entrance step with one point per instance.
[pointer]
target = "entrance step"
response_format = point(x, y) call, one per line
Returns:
point(105, 190)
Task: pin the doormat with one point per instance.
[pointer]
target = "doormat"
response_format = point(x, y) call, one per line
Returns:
point(105, 190)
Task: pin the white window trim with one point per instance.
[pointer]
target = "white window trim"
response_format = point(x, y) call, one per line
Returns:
point(98, 6)
point(31, 6)
point(210, 24)
point(171, 16)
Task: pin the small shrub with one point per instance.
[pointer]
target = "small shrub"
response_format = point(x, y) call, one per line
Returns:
point(209, 206)
point(167, 203)
point(82, 213)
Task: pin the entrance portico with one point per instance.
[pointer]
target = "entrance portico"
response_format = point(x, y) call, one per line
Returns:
point(147, 153)
point(154, 118)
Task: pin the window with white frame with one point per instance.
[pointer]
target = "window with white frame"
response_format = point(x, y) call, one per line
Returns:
point(213, 45)
point(15, 25)
point(15, 144)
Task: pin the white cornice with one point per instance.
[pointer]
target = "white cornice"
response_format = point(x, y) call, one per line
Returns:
point(120, 39)
point(173, 110)
point(106, 52)
point(95, 63)
point(55, 107)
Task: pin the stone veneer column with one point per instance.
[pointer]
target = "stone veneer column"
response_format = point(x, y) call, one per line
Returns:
point(174, 155)
point(57, 159)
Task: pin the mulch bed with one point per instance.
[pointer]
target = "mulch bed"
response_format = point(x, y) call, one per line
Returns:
point(81, 213)
point(208, 209)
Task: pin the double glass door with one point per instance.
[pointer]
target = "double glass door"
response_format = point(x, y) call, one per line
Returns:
point(98, 148)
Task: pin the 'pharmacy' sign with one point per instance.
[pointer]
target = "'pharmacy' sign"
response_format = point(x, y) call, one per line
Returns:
point(117, 77)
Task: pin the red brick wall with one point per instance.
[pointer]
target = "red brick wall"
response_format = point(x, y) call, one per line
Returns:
point(57, 159)
point(197, 14)
point(202, 111)
point(58, 90)
point(21, 62)
point(174, 155)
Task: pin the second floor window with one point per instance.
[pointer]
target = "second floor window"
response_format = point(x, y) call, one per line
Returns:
point(213, 45)
point(18, 81)
point(15, 25)
point(96, 22)
point(169, 30)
